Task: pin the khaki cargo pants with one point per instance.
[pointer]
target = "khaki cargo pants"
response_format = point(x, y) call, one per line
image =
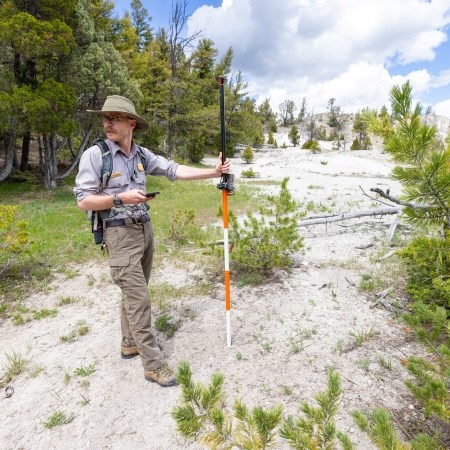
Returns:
point(130, 250)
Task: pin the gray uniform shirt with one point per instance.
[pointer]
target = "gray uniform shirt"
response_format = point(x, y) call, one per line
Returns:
point(128, 173)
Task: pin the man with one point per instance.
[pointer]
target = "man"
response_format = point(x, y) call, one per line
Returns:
point(122, 206)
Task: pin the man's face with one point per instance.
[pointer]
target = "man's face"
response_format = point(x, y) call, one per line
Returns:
point(118, 127)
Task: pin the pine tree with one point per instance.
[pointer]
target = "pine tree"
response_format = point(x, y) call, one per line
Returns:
point(302, 113)
point(294, 135)
point(248, 155)
point(141, 22)
point(266, 241)
point(334, 113)
point(287, 110)
point(367, 143)
point(267, 115)
point(38, 42)
point(355, 144)
point(360, 127)
point(424, 174)
point(424, 171)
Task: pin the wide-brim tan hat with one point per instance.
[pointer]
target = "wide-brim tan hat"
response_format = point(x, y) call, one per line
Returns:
point(119, 104)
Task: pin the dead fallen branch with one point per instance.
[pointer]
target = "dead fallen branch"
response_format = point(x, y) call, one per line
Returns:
point(383, 301)
point(364, 247)
point(391, 198)
point(350, 282)
point(387, 255)
point(349, 215)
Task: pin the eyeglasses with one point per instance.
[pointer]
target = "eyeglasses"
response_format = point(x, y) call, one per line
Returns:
point(113, 119)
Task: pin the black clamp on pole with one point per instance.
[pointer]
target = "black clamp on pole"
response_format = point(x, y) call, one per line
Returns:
point(227, 179)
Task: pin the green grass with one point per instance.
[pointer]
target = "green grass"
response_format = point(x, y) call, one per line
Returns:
point(60, 233)
point(84, 371)
point(81, 329)
point(43, 313)
point(363, 335)
point(163, 293)
point(202, 197)
point(15, 365)
point(56, 419)
point(166, 324)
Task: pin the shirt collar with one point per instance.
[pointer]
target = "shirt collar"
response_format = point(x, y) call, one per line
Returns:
point(115, 147)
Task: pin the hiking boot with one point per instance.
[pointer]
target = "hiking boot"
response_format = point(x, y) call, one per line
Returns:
point(164, 376)
point(129, 352)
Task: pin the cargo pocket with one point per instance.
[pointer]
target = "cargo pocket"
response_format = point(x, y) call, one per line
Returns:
point(119, 269)
point(121, 261)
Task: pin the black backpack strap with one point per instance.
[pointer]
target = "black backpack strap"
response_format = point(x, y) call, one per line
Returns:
point(107, 159)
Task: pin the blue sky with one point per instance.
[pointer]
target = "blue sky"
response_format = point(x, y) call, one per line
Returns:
point(159, 10)
point(351, 50)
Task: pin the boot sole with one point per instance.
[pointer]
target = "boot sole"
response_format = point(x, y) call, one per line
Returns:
point(172, 383)
point(131, 356)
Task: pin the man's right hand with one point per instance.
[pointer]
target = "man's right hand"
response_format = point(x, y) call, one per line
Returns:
point(133, 197)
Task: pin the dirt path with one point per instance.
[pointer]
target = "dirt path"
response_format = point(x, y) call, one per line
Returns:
point(286, 334)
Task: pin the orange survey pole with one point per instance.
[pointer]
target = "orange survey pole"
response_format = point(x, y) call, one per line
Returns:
point(227, 187)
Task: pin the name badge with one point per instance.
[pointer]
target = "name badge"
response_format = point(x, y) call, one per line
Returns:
point(115, 174)
point(140, 167)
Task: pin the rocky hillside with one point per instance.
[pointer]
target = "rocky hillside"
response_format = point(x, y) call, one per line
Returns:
point(440, 122)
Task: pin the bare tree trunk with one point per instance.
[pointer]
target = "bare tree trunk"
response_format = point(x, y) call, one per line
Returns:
point(15, 161)
point(49, 165)
point(78, 157)
point(25, 152)
point(10, 148)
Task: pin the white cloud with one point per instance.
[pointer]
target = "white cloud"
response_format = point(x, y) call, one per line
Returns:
point(442, 108)
point(442, 79)
point(320, 49)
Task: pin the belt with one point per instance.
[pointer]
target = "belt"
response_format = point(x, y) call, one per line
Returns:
point(127, 221)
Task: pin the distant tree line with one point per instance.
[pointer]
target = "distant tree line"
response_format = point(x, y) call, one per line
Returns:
point(61, 57)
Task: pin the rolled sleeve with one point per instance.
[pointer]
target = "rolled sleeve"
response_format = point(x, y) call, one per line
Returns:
point(160, 166)
point(87, 181)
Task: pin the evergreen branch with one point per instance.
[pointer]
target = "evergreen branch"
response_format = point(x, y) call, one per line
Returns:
point(345, 441)
point(377, 424)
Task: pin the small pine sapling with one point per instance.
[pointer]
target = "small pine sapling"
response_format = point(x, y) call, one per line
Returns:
point(250, 173)
point(268, 240)
point(247, 155)
point(294, 135)
point(182, 225)
point(355, 144)
point(378, 425)
point(201, 416)
point(316, 428)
